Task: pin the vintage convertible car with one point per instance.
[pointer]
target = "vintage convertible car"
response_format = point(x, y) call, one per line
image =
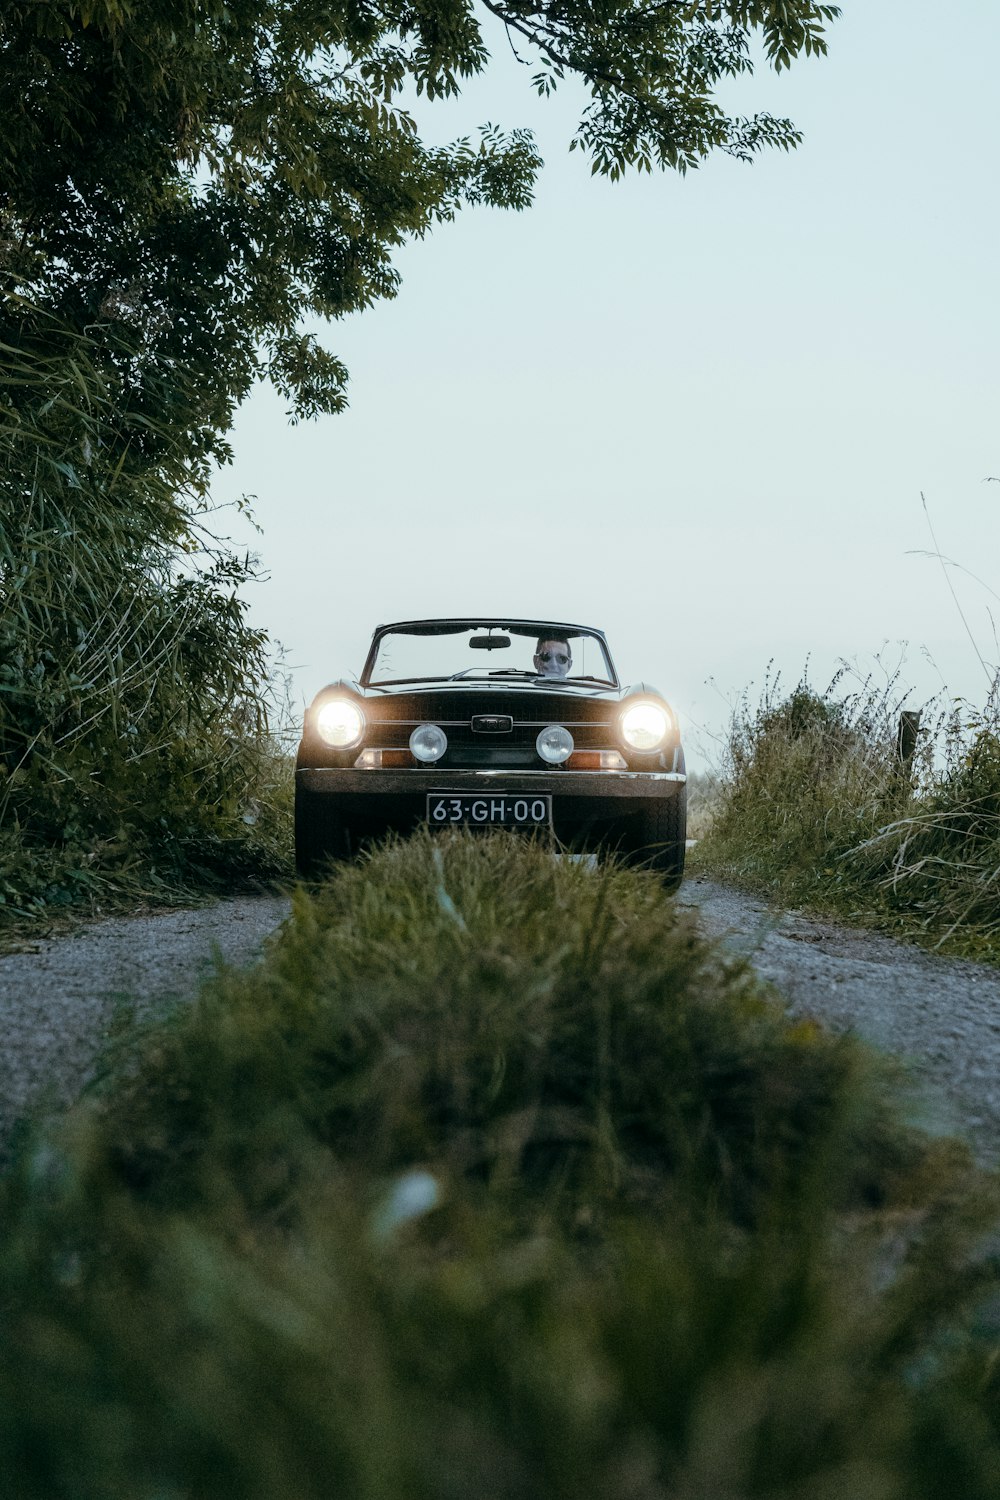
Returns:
point(491, 723)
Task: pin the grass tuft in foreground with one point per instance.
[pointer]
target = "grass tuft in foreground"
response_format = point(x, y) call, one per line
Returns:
point(495, 1179)
point(815, 807)
point(513, 1019)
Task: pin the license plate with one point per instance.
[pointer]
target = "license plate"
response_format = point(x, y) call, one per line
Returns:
point(498, 810)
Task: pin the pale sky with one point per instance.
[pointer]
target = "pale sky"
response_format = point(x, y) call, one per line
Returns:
point(697, 412)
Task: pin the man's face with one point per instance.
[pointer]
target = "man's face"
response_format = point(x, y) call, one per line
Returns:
point(553, 659)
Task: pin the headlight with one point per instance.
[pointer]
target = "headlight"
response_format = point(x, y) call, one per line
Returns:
point(340, 723)
point(428, 742)
point(645, 726)
point(554, 744)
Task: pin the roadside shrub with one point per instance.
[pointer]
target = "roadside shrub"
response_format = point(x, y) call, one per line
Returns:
point(494, 1179)
point(805, 778)
point(814, 806)
point(136, 753)
point(938, 868)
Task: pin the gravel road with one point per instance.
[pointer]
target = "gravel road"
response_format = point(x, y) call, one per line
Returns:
point(62, 999)
point(940, 1015)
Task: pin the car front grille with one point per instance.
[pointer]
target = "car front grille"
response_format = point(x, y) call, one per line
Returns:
point(470, 748)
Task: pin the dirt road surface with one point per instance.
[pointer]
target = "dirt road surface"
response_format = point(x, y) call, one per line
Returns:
point(63, 999)
point(940, 1015)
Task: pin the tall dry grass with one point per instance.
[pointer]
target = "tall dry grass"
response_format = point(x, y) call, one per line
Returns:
point(135, 745)
point(814, 805)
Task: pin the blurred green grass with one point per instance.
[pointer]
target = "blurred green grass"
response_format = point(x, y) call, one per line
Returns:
point(495, 1179)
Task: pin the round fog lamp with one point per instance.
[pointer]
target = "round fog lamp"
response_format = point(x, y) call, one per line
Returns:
point(340, 723)
point(645, 726)
point(428, 743)
point(554, 744)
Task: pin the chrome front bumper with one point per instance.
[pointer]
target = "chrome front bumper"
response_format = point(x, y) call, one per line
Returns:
point(629, 786)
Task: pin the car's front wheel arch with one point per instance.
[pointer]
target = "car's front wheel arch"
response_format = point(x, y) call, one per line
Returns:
point(322, 836)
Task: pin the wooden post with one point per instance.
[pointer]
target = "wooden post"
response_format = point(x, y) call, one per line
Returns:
point(906, 739)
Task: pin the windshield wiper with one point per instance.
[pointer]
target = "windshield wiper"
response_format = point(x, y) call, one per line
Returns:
point(493, 672)
point(574, 677)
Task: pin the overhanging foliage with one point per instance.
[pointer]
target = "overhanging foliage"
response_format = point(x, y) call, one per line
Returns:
point(201, 177)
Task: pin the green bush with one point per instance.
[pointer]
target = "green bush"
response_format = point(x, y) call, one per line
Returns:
point(494, 1179)
point(814, 806)
point(135, 748)
point(806, 777)
point(938, 867)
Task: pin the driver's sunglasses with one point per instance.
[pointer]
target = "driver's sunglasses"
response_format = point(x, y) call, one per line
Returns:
point(559, 656)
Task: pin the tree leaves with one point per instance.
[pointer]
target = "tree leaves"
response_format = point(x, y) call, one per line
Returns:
point(212, 176)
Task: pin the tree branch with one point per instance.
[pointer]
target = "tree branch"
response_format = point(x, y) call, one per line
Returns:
point(539, 40)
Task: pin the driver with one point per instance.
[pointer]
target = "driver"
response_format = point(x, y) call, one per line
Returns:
point(553, 657)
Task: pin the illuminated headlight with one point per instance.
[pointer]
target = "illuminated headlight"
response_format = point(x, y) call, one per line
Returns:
point(554, 744)
point(645, 726)
point(340, 723)
point(428, 742)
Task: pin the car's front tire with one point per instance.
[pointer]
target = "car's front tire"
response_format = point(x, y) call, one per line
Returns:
point(659, 841)
point(322, 838)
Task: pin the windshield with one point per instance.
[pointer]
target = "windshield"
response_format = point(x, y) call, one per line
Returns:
point(436, 652)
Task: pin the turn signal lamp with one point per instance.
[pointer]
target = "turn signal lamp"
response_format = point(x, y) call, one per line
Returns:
point(374, 760)
point(597, 760)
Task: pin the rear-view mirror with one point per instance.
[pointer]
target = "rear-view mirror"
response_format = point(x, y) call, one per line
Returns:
point(489, 642)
